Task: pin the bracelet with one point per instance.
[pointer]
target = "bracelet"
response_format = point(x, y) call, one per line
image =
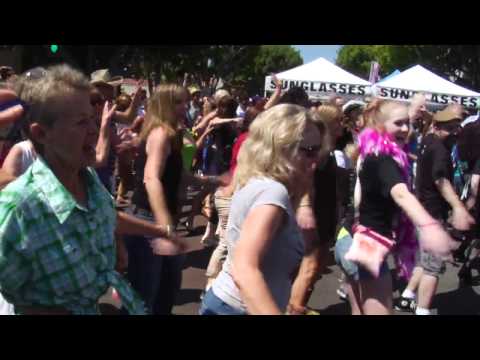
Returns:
point(170, 229)
point(429, 224)
point(305, 205)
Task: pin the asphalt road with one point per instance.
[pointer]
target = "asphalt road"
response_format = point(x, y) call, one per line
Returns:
point(450, 299)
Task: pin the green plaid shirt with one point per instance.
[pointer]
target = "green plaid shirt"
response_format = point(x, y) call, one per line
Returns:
point(55, 252)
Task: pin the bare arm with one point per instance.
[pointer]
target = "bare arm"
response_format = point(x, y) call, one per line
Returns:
point(104, 136)
point(461, 219)
point(12, 114)
point(131, 225)
point(127, 116)
point(158, 149)
point(5, 178)
point(472, 199)
point(276, 95)
point(432, 236)
point(13, 162)
point(255, 237)
point(202, 125)
point(221, 121)
point(166, 241)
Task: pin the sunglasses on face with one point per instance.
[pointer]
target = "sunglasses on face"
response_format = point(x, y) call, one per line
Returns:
point(451, 128)
point(310, 152)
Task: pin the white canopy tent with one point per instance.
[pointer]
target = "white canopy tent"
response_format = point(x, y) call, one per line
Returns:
point(437, 90)
point(321, 78)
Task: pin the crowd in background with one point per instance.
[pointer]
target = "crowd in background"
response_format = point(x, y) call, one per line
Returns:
point(94, 182)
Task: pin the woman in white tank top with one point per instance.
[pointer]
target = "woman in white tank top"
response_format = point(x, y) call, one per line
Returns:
point(19, 159)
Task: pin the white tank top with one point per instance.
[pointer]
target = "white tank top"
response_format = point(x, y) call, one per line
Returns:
point(28, 154)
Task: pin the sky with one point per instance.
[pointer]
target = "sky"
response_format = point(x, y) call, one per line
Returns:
point(312, 52)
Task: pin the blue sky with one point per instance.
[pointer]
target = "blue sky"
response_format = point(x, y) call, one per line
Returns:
point(312, 52)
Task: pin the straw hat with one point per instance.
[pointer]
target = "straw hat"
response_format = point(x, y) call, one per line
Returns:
point(103, 77)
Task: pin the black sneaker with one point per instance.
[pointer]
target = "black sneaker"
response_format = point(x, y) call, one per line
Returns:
point(406, 305)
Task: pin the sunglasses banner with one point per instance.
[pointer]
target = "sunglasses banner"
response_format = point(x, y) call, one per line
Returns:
point(316, 89)
point(440, 99)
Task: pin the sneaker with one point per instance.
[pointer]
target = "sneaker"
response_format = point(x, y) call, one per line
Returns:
point(309, 311)
point(406, 305)
point(342, 294)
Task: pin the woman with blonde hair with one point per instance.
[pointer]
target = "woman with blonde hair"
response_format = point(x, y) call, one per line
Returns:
point(158, 171)
point(387, 208)
point(265, 245)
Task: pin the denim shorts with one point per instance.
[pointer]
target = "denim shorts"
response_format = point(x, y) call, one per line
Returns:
point(352, 270)
point(213, 305)
point(343, 244)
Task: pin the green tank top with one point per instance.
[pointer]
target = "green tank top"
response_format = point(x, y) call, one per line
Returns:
point(188, 152)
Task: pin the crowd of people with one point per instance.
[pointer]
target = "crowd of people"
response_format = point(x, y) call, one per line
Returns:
point(93, 182)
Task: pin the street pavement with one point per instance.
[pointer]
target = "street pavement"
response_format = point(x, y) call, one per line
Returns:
point(450, 299)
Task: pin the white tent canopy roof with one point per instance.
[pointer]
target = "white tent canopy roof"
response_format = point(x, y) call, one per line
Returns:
point(321, 70)
point(419, 79)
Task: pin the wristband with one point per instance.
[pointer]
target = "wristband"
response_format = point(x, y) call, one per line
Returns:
point(429, 224)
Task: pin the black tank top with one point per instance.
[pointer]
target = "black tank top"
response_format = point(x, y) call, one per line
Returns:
point(170, 179)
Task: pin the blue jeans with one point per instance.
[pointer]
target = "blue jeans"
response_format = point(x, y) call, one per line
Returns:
point(212, 305)
point(156, 278)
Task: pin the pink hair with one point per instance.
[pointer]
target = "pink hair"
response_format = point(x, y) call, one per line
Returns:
point(374, 142)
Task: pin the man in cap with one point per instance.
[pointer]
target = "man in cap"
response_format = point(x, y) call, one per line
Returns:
point(435, 191)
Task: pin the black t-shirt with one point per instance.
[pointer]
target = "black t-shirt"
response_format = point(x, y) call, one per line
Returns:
point(378, 175)
point(434, 162)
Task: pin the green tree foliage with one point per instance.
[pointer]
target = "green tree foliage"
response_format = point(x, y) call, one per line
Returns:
point(274, 59)
point(460, 63)
point(237, 65)
point(357, 58)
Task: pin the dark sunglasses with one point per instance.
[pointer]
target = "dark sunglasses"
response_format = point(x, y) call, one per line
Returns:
point(451, 128)
point(310, 151)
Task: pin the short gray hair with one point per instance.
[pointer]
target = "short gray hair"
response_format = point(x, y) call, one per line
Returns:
point(38, 93)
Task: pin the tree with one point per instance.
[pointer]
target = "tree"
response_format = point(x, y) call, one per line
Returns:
point(274, 59)
point(357, 58)
point(458, 63)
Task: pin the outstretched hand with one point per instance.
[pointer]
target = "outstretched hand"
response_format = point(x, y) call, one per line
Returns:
point(168, 247)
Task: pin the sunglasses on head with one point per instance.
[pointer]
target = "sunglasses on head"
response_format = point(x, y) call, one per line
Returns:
point(310, 151)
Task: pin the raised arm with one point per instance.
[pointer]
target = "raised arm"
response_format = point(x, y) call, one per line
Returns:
point(104, 137)
point(276, 95)
point(127, 116)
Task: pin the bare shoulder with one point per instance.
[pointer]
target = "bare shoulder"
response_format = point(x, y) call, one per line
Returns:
point(158, 140)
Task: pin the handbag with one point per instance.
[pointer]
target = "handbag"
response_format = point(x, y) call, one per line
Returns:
point(369, 249)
